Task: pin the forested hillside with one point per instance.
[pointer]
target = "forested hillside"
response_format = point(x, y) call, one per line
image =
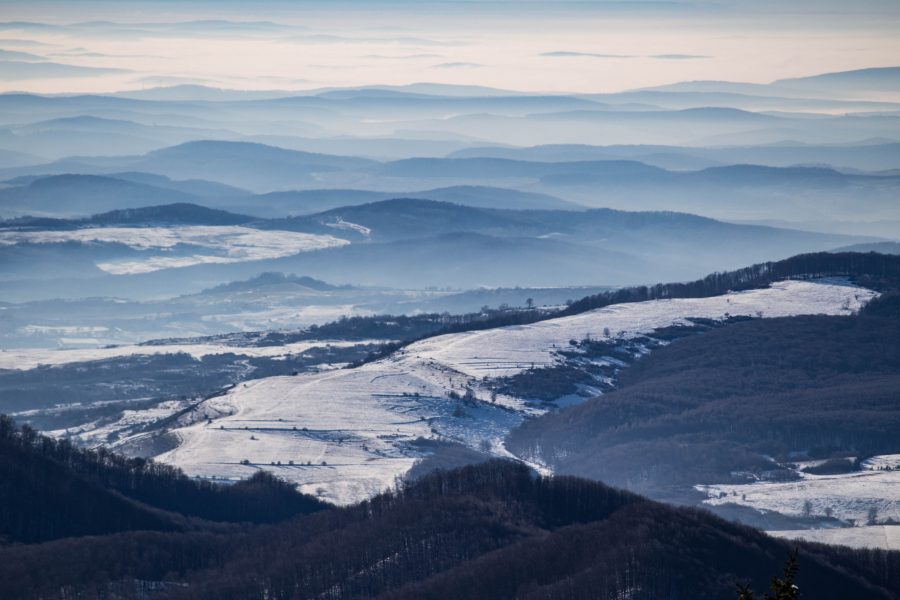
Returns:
point(53, 490)
point(493, 531)
point(709, 407)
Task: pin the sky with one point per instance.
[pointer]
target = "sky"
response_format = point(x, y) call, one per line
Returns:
point(530, 45)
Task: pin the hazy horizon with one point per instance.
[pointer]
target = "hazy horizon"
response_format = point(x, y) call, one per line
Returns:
point(583, 47)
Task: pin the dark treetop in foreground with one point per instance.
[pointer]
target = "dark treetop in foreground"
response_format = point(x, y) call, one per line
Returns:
point(492, 531)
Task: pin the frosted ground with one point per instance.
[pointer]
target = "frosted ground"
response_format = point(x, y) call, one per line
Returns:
point(849, 496)
point(30, 358)
point(352, 432)
point(223, 244)
point(886, 537)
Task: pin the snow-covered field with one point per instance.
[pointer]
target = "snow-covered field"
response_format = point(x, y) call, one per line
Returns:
point(228, 244)
point(509, 350)
point(30, 358)
point(349, 432)
point(886, 537)
point(95, 433)
point(361, 423)
point(849, 496)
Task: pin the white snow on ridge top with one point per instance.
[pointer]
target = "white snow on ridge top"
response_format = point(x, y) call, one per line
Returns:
point(363, 422)
point(30, 358)
point(510, 350)
point(230, 243)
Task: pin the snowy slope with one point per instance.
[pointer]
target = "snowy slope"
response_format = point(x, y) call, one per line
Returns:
point(506, 351)
point(215, 244)
point(32, 357)
point(886, 537)
point(363, 422)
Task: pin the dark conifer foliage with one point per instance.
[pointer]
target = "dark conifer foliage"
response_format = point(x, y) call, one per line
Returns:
point(492, 531)
point(886, 305)
point(782, 588)
point(44, 499)
point(50, 489)
point(707, 407)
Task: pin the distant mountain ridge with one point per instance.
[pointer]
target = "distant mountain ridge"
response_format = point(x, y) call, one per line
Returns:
point(872, 79)
point(269, 279)
point(413, 243)
point(149, 216)
point(301, 202)
point(68, 194)
point(544, 176)
point(877, 155)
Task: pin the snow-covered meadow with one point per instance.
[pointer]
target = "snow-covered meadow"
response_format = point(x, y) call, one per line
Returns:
point(352, 432)
point(214, 244)
point(851, 497)
point(29, 358)
point(848, 496)
point(348, 432)
point(886, 537)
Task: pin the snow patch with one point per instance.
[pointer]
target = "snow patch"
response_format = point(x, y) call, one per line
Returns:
point(886, 537)
point(34, 357)
point(230, 243)
point(847, 496)
point(348, 226)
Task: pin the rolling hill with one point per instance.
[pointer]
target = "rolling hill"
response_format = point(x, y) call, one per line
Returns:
point(66, 195)
point(399, 243)
point(490, 531)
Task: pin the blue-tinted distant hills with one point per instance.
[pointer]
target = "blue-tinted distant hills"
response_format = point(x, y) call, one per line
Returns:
point(874, 156)
point(200, 188)
point(299, 202)
point(414, 243)
point(86, 134)
point(236, 164)
point(243, 164)
point(878, 79)
point(880, 247)
point(216, 173)
point(848, 84)
point(67, 195)
point(472, 169)
point(264, 280)
point(689, 113)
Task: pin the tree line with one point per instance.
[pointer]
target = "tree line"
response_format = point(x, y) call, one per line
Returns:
point(491, 531)
point(710, 408)
point(53, 489)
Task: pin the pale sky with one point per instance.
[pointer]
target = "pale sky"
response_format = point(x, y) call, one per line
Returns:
point(588, 46)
